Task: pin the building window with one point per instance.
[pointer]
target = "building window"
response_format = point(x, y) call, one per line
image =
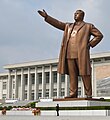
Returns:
point(4, 85)
point(40, 94)
point(3, 77)
point(79, 79)
point(12, 77)
point(47, 93)
point(97, 60)
point(25, 95)
point(62, 91)
point(32, 95)
point(40, 78)
point(25, 69)
point(26, 79)
point(107, 58)
point(3, 96)
point(13, 96)
point(55, 77)
point(18, 70)
point(33, 78)
point(47, 77)
point(32, 68)
point(62, 78)
point(18, 77)
point(55, 93)
point(47, 66)
point(54, 65)
point(13, 84)
point(79, 91)
point(103, 91)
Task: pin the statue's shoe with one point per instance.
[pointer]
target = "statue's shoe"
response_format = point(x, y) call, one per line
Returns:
point(71, 96)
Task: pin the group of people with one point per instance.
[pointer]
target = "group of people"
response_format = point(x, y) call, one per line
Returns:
point(4, 111)
point(36, 111)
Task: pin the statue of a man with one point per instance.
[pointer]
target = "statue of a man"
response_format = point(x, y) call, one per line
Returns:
point(74, 58)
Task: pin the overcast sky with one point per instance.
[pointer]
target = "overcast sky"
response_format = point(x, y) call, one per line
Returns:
point(24, 36)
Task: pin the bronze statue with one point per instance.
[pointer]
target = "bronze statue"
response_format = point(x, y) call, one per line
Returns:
point(74, 58)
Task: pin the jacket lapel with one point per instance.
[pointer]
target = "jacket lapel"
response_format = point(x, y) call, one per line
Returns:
point(70, 30)
point(80, 26)
point(71, 27)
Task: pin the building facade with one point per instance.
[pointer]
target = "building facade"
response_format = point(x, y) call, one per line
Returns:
point(39, 79)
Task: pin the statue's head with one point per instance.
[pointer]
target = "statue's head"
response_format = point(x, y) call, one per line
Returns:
point(79, 15)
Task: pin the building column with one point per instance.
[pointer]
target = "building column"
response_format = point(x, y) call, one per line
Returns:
point(58, 85)
point(22, 85)
point(36, 85)
point(50, 83)
point(43, 83)
point(16, 85)
point(94, 83)
point(1, 89)
point(66, 85)
point(9, 95)
point(29, 86)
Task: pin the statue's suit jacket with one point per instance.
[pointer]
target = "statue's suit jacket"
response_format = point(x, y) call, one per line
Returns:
point(84, 32)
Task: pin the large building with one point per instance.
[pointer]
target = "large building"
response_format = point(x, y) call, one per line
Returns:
point(31, 80)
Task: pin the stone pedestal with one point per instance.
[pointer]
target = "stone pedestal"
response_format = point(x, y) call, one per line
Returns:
point(73, 102)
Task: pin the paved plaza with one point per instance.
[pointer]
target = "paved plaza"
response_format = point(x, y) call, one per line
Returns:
point(9, 117)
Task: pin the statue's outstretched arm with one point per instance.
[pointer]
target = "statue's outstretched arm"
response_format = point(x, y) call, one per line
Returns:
point(52, 21)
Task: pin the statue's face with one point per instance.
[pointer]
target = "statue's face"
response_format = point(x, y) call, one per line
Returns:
point(78, 16)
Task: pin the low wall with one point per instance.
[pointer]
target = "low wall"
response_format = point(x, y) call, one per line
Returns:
point(64, 113)
point(18, 113)
point(78, 113)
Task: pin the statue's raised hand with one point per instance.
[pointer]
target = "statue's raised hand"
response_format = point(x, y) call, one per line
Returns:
point(42, 13)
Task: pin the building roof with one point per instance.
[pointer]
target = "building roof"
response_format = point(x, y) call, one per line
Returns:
point(50, 61)
point(32, 63)
point(100, 55)
point(3, 74)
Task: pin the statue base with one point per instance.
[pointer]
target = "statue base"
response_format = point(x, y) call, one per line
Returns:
point(72, 102)
point(74, 99)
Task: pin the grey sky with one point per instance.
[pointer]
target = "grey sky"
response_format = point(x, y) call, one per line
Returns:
point(24, 36)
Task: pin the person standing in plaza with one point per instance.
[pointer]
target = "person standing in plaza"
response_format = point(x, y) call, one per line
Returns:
point(57, 109)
